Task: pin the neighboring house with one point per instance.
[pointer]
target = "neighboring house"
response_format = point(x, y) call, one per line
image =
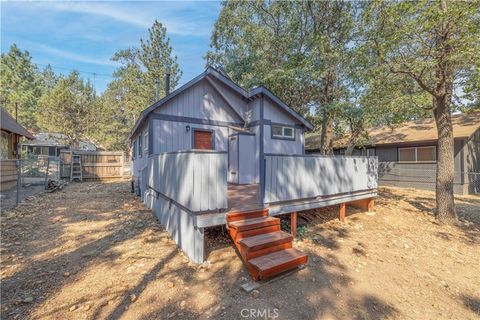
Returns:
point(211, 151)
point(11, 132)
point(50, 144)
point(407, 153)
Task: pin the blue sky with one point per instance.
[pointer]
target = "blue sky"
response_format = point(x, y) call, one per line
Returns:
point(84, 35)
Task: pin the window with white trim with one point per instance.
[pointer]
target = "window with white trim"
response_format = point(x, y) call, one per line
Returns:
point(418, 154)
point(283, 132)
point(140, 146)
point(145, 142)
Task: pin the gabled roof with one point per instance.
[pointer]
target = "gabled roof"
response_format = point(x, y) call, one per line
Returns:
point(282, 104)
point(56, 139)
point(7, 123)
point(210, 71)
point(464, 126)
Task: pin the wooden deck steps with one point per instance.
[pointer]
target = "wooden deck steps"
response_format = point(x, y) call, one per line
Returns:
point(265, 249)
point(255, 223)
point(277, 262)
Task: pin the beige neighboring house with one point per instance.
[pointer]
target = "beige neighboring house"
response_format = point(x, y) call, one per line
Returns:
point(407, 153)
point(11, 133)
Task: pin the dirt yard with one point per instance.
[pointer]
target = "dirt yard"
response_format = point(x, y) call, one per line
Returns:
point(92, 251)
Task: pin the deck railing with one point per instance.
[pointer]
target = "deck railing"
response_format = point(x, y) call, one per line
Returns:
point(295, 177)
point(195, 180)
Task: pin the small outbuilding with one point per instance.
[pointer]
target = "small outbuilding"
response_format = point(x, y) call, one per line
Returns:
point(51, 144)
point(11, 132)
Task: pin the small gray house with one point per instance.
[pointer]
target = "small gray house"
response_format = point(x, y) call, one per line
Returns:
point(212, 153)
point(213, 113)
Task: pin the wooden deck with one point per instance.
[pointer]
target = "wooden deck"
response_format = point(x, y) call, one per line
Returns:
point(243, 197)
point(246, 198)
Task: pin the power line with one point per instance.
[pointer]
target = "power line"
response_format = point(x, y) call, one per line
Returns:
point(94, 74)
point(81, 71)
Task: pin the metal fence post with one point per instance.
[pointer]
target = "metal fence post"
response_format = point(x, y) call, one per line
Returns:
point(46, 172)
point(19, 179)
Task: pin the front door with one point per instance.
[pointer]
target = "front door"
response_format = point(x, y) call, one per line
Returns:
point(202, 140)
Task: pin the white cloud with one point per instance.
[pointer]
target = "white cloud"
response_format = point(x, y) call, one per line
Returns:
point(136, 14)
point(70, 55)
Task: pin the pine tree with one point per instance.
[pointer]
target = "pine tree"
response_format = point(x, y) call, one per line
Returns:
point(70, 108)
point(20, 86)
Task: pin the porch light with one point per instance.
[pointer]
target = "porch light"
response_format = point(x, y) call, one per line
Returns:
point(187, 128)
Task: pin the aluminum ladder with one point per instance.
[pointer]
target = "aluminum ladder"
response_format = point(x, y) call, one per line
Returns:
point(76, 168)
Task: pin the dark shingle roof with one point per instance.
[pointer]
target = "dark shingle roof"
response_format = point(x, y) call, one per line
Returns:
point(464, 126)
point(7, 123)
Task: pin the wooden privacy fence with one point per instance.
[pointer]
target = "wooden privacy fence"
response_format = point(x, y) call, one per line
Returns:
point(195, 180)
point(8, 174)
point(300, 177)
point(97, 165)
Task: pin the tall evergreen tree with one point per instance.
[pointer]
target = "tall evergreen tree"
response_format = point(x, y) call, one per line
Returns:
point(156, 57)
point(70, 108)
point(20, 85)
point(133, 87)
point(48, 79)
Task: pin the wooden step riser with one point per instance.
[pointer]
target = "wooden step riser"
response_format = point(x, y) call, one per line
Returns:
point(271, 243)
point(235, 216)
point(258, 225)
point(239, 235)
point(257, 253)
point(282, 268)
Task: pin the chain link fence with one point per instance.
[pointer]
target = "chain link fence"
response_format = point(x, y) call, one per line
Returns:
point(37, 170)
point(424, 178)
point(33, 174)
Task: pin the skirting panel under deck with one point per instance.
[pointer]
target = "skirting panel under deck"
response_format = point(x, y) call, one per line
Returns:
point(179, 224)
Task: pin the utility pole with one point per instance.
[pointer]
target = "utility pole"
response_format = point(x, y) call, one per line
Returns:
point(16, 111)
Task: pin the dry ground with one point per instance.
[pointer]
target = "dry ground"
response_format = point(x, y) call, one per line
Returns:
point(92, 251)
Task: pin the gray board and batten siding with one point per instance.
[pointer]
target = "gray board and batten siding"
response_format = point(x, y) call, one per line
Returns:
point(179, 184)
point(289, 178)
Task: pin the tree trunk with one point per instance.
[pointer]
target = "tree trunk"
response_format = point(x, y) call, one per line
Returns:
point(445, 163)
point(349, 150)
point(443, 118)
point(327, 134)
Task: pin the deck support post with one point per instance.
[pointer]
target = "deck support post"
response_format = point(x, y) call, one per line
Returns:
point(293, 224)
point(364, 204)
point(343, 211)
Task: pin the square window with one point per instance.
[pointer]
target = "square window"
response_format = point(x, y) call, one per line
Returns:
point(277, 131)
point(283, 132)
point(288, 132)
point(406, 154)
point(426, 154)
